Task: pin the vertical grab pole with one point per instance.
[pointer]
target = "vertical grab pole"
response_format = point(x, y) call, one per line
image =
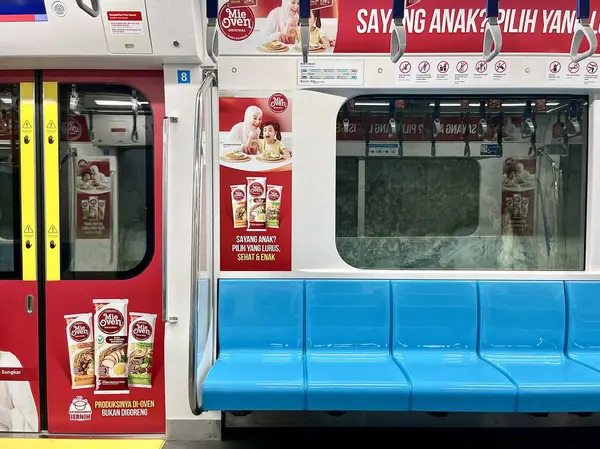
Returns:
point(583, 29)
point(212, 38)
point(398, 39)
point(305, 28)
point(492, 37)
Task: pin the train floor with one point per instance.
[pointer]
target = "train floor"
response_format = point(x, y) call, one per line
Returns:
point(277, 438)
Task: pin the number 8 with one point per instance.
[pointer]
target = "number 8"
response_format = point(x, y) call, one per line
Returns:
point(184, 76)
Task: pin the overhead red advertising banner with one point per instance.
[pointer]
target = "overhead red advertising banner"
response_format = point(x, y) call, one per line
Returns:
point(417, 129)
point(256, 183)
point(433, 26)
point(93, 184)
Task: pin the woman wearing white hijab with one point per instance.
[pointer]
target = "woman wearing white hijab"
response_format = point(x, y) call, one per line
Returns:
point(282, 23)
point(244, 133)
point(18, 412)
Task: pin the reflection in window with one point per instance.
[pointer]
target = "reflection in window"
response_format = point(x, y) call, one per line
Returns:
point(106, 180)
point(472, 183)
point(10, 199)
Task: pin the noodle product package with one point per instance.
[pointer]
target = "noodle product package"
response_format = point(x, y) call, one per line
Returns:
point(85, 209)
point(257, 199)
point(141, 349)
point(81, 350)
point(110, 331)
point(238, 202)
point(273, 205)
point(101, 209)
point(93, 213)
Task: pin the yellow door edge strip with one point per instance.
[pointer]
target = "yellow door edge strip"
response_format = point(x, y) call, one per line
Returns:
point(75, 443)
point(27, 172)
point(51, 180)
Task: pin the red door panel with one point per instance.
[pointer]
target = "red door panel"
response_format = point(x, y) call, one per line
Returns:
point(19, 357)
point(100, 251)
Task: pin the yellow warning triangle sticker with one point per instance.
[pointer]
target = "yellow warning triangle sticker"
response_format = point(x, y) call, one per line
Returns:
point(51, 125)
point(27, 125)
point(28, 230)
point(52, 230)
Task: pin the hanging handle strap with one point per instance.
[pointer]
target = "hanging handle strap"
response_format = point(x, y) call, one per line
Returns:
point(582, 30)
point(94, 11)
point(398, 39)
point(482, 128)
point(212, 37)
point(527, 127)
point(305, 28)
point(492, 37)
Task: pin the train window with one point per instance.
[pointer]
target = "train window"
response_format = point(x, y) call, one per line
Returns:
point(10, 196)
point(106, 183)
point(462, 183)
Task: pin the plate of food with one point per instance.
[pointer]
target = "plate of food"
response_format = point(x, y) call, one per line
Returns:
point(271, 157)
point(315, 48)
point(235, 156)
point(274, 46)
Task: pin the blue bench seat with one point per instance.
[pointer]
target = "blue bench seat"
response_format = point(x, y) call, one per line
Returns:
point(523, 334)
point(583, 304)
point(261, 363)
point(435, 342)
point(348, 360)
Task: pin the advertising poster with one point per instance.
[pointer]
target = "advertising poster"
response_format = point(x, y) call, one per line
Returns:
point(518, 196)
point(19, 381)
point(93, 186)
point(433, 26)
point(256, 183)
point(272, 27)
point(106, 372)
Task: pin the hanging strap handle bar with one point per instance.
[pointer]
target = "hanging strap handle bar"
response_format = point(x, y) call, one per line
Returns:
point(398, 39)
point(500, 133)
point(305, 28)
point(212, 37)
point(435, 127)
point(94, 11)
point(573, 128)
point(492, 36)
point(583, 29)
point(482, 125)
point(466, 122)
point(527, 128)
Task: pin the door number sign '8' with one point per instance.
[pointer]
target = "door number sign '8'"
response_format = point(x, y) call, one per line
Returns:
point(183, 77)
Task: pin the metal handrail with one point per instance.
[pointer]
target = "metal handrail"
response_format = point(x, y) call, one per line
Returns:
point(94, 11)
point(193, 390)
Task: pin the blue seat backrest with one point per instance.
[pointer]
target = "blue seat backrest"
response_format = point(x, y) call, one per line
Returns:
point(435, 314)
point(261, 314)
point(348, 315)
point(522, 316)
point(583, 299)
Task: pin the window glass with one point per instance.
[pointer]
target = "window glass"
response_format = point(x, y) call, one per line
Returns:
point(10, 196)
point(472, 183)
point(107, 206)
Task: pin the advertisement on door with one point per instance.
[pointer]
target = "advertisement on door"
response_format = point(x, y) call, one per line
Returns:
point(433, 26)
point(256, 183)
point(518, 196)
point(93, 186)
point(19, 381)
point(107, 375)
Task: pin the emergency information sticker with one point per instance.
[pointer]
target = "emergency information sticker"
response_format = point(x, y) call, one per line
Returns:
point(125, 23)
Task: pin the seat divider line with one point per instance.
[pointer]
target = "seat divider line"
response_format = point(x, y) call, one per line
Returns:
point(478, 349)
point(397, 362)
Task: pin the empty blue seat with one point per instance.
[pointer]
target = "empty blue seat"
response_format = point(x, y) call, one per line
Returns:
point(435, 342)
point(348, 360)
point(583, 300)
point(523, 333)
point(260, 364)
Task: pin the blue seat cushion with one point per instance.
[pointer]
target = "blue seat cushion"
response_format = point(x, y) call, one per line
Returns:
point(550, 383)
point(255, 381)
point(356, 382)
point(456, 381)
point(589, 359)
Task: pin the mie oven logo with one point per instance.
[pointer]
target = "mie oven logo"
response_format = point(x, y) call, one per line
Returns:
point(256, 190)
point(236, 24)
point(278, 103)
point(80, 331)
point(239, 195)
point(110, 321)
point(274, 195)
point(142, 330)
point(72, 130)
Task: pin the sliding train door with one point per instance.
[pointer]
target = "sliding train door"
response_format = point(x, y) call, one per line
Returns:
point(82, 334)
